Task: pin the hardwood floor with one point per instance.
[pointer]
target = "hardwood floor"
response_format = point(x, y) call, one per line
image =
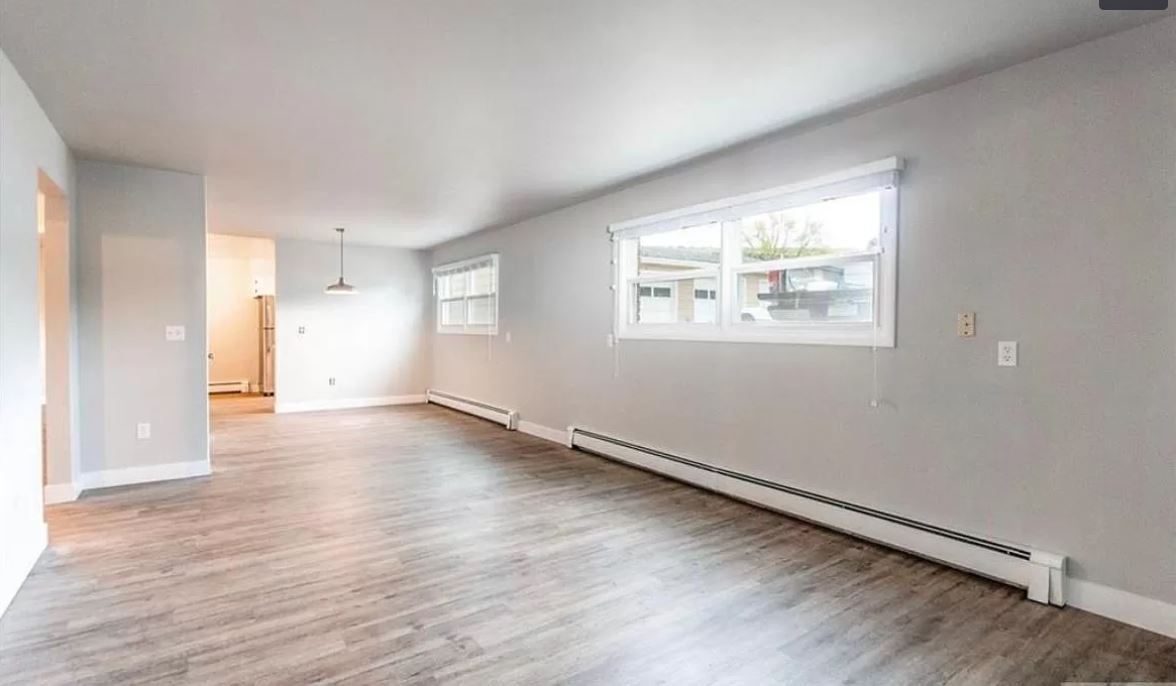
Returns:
point(417, 545)
point(239, 403)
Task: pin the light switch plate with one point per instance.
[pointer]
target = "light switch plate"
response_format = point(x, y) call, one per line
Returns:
point(174, 332)
point(143, 430)
point(1006, 354)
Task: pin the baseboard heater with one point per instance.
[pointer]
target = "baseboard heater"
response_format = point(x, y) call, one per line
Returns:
point(498, 415)
point(1040, 573)
point(228, 386)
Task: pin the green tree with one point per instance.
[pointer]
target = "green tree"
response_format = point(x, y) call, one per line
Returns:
point(776, 236)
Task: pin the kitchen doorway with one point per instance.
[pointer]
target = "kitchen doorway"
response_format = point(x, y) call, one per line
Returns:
point(241, 316)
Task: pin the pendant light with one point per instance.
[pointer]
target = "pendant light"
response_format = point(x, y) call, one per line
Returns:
point(340, 287)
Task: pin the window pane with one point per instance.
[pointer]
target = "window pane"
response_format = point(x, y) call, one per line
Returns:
point(819, 294)
point(481, 311)
point(453, 313)
point(452, 285)
point(482, 280)
point(834, 227)
point(672, 303)
point(695, 247)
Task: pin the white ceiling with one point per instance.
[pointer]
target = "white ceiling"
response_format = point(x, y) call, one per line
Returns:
point(414, 121)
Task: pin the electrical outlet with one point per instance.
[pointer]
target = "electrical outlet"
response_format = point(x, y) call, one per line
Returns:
point(1006, 354)
point(302, 329)
point(331, 381)
point(173, 332)
point(610, 340)
point(143, 430)
point(508, 337)
point(966, 324)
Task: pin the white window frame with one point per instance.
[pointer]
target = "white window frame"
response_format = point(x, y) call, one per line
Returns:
point(881, 176)
point(466, 266)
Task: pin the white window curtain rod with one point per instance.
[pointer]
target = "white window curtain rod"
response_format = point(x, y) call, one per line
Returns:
point(859, 179)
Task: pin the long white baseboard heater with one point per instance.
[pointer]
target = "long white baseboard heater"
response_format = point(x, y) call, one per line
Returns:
point(1042, 574)
point(498, 415)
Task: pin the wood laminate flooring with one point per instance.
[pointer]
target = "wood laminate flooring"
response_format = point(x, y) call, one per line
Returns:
point(416, 545)
point(239, 403)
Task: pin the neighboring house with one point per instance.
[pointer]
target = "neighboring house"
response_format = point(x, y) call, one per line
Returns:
point(687, 300)
point(823, 292)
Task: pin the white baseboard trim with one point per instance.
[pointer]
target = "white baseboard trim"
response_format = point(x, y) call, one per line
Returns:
point(1122, 606)
point(61, 493)
point(545, 432)
point(26, 551)
point(346, 403)
point(142, 475)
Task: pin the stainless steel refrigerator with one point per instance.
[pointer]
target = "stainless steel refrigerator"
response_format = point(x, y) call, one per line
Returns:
point(266, 316)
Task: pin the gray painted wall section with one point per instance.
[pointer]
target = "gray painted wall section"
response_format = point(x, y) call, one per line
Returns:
point(374, 343)
point(28, 143)
point(141, 268)
point(1043, 197)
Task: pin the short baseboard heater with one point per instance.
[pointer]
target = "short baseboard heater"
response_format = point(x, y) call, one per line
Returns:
point(498, 415)
point(241, 386)
point(1040, 573)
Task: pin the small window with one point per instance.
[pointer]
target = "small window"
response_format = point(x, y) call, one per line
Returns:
point(809, 263)
point(467, 296)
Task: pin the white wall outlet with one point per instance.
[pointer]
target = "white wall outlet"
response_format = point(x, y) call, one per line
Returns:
point(610, 340)
point(143, 430)
point(174, 332)
point(1006, 354)
point(331, 381)
point(966, 324)
point(302, 329)
point(508, 337)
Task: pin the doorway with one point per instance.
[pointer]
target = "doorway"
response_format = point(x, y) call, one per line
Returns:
point(241, 307)
point(59, 450)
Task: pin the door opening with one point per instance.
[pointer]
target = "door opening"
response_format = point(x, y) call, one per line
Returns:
point(61, 474)
point(241, 311)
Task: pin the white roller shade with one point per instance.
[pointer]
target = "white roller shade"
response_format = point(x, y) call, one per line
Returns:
point(860, 179)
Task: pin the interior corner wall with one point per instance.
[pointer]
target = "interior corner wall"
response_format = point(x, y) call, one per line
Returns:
point(1042, 197)
point(141, 268)
point(28, 144)
point(374, 343)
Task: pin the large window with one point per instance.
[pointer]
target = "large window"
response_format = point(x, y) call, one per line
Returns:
point(467, 296)
point(813, 262)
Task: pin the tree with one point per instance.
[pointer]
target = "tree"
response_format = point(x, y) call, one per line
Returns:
point(776, 236)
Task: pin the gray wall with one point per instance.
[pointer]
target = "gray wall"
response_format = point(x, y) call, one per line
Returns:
point(1042, 197)
point(28, 144)
point(141, 238)
point(373, 343)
